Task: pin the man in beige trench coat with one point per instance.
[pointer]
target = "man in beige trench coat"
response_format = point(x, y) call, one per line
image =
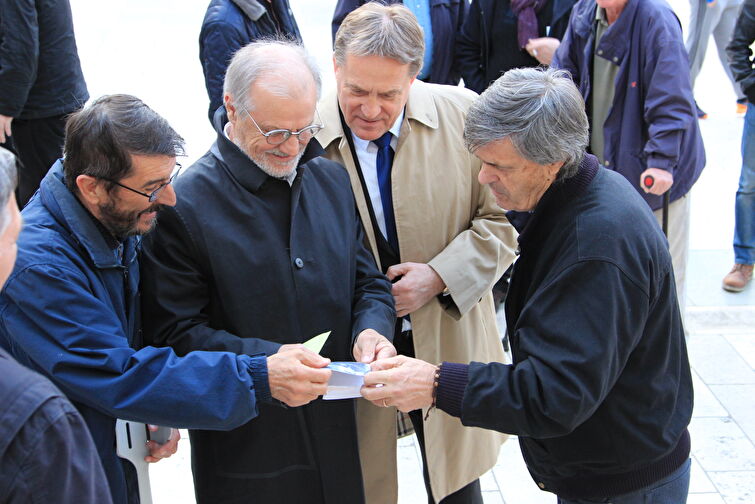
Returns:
point(437, 234)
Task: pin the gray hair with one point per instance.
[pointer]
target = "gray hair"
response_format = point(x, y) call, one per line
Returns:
point(375, 29)
point(540, 110)
point(268, 57)
point(7, 184)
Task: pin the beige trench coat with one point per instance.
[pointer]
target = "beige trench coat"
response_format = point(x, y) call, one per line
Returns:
point(445, 218)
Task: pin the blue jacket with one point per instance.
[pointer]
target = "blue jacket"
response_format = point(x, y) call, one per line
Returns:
point(228, 26)
point(70, 310)
point(652, 123)
point(446, 18)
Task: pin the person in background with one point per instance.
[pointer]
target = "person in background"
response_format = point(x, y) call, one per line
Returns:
point(628, 60)
point(440, 20)
point(46, 452)
point(41, 82)
point(500, 35)
point(600, 390)
point(228, 26)
point(431, 228)
point(71, 308)
point(740, 56)
point(717, 18)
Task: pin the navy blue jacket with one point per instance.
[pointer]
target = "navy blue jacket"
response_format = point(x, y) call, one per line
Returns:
point(446, 18)
point(487, 45)
point(653, 120)
point(739, 52)
point(227, 28)
point(246, 263)
point(46, 452)
point(70, 310)
point(40, 73)
point(600, 391)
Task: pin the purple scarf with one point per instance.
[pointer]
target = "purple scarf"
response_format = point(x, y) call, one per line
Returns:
point(526, 19)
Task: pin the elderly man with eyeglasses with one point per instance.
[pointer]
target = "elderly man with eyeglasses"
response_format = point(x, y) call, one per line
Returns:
point(264, 248)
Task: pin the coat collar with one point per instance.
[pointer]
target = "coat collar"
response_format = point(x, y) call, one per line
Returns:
point(555, 198)
point(80, 223)
point(251, 8)
point(420, 107)
point(615, 41)
point(243, 169)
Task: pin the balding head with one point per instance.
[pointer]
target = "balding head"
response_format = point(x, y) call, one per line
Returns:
point(281, 67)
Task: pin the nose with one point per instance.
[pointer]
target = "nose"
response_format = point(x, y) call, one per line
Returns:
point(370, 108)
point(487, 174)
point(167, 196)
point(291, 146)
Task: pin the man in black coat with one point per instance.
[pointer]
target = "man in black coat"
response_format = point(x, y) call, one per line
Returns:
point(264, 248)
point(600, 389)
point(40, 84)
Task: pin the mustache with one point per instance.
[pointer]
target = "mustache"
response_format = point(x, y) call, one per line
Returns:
point(157, 207)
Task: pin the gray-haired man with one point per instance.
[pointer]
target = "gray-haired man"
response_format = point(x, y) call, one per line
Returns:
point(434, 231)
point(600, 391)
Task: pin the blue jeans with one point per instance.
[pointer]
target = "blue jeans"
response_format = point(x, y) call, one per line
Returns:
point(744, 208)
point(672, 489)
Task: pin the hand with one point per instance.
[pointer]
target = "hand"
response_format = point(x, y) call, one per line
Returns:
point(543, 48)
point(5, 127)
point(663, 181)
point(158, 451)
point(370, 346)
point(419, 283)
point(406, 383)
point(295, 375)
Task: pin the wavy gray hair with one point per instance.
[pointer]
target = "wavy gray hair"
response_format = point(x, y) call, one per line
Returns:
point(7, 184)
point(266, 57)
point(375, 29)
point(540, 110)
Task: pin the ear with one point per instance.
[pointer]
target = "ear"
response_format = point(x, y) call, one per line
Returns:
point(335, 65)
point(554, 168)
point(229, 107)
point(91, 189)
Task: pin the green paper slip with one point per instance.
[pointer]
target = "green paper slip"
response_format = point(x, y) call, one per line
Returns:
point(315, 344)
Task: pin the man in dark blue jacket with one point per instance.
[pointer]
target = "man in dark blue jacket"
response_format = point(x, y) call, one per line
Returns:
point(228, 26)
point(600, 389)
point(263, 249)
point(40, 84)
point(46, 452)
point(629, 62)
point(71, 309)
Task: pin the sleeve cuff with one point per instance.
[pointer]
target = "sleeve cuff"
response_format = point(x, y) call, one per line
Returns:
point(258, 372)
point(451, 385)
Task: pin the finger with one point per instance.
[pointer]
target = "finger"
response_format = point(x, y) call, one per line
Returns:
point(311, 359)
point(397, 270)
point(314, 375)
point(385, 364)
point(385, 352)
point(374, 394)
point(374, 378)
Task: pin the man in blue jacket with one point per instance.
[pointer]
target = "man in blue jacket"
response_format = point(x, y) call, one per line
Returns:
point(228, 26)
point(40, 84)
point(628, 59)
point(71, 311)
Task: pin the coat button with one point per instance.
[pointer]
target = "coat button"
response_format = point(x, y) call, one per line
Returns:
point(541, 485)
point(607, 164)
point(615, 59)
point(600, 52)
point(299, 263)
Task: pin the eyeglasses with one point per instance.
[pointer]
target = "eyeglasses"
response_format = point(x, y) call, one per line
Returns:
point(278, 136)
point(156, 193)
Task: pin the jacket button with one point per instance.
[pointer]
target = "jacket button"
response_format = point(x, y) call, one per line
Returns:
point(607, 163)
point(299, 263)
point(541, 485)
point(615, 59)
point(600, 52)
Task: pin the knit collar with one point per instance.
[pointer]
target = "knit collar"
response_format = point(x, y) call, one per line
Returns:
point(556, 196)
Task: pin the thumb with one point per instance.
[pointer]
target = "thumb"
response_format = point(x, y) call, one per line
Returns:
point(396, 270)
point(311, 359)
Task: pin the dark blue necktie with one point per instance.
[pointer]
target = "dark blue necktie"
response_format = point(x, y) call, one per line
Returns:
point(384, 162)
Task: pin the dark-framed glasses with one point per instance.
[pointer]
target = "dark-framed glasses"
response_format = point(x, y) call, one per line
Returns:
point(156, 193)
point(278, 136)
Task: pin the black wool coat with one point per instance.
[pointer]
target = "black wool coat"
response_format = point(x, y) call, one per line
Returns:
point(244, 263)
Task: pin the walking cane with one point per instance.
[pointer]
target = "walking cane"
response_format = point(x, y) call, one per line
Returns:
point(648, 182)
point(131, 444)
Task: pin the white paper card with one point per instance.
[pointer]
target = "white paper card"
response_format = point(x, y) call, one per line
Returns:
point(346, 380)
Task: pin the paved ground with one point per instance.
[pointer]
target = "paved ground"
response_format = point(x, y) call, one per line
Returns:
point(149, 48)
